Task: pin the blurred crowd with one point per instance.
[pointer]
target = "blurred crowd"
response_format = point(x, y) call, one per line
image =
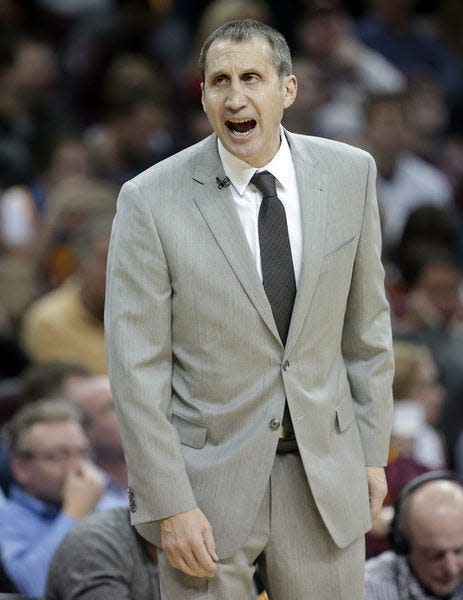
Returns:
point(92, 92)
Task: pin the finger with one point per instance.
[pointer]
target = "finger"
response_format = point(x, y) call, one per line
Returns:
point(210, 544)
point(186, 562)
point(203, 558)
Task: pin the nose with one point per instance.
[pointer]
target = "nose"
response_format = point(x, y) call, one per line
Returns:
point(235, 97)
point(453, 564)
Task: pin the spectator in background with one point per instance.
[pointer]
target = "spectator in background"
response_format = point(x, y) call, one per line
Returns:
point(416, 445)
point(104, 557)
point(94, 398)
point(434, 317)
point(71, 207)
point(426, 560)
point(136, 135)
point(416, 383)
point(38, 107)
point(23, 208)
point(427, 118)
point(404, 181)
point(429, 229)
point(56, 485)
point(67, 323)
point(47, 380)
point(312, 93)
point(350, 69)
point(16, 164)
point(392, 29)
point(51, 380)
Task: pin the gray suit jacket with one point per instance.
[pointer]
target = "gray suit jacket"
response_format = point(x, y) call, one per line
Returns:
point(197, 368)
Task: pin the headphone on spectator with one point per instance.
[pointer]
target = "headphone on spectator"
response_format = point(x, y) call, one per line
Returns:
point(398, 542)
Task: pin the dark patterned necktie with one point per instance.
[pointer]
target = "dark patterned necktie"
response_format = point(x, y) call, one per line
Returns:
point(277, 263)
point(275, 253)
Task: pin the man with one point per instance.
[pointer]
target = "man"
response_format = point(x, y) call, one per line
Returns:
point(104, 557)
point(94, 398)
point(426, 562)
point(203, 358)
point(67, 323)
point(405, 181)
point(56, 485)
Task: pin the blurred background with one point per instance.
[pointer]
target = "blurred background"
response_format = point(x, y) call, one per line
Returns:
point(94, 91)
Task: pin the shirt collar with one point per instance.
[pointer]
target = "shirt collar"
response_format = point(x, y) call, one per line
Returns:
point(41, 508)
point(240, 172)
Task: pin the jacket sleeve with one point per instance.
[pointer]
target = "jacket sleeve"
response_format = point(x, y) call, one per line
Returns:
point(367, 340)
point(139, 350)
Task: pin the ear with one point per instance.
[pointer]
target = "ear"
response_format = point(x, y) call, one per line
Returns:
point(289, 90)
point(20, 470)
point(202, 97)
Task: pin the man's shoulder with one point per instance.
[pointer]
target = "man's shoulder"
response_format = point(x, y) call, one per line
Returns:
point(175, 166)
point(112, 523)
point(321, 148)
point(382, 567)
point(54, 303)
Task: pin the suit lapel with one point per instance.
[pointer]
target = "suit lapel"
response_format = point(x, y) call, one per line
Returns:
point(218, 210)
point(312, 196)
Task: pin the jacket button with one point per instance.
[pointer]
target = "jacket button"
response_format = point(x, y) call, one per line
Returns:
point(286, 365)
point(274, 424)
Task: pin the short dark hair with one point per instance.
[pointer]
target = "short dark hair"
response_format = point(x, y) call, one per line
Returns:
point(246, 29)
point(43, 411)
point(45, 380)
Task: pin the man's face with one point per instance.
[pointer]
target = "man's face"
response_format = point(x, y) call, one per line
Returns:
point(436, 555)
point(55, 450)
point(244, 98)
point(387, 129)
point(441, 285)
point(94, 397)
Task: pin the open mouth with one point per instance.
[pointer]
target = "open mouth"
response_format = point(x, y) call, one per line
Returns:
point(241, 127)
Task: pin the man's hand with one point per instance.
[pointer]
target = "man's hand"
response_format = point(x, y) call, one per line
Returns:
point(82, 490)
point(188, 543)
point(377, 489)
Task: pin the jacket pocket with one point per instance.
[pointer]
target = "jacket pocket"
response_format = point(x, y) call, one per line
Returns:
point(190, 433)
point(345, 413)
point(334, 256)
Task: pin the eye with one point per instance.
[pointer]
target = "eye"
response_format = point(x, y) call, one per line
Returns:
point(251, 78)
point(220, 80)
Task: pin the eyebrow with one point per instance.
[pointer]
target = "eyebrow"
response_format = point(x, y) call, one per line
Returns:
point(242, 71)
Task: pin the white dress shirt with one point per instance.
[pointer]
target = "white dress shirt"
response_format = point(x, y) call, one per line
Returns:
point(247, 199)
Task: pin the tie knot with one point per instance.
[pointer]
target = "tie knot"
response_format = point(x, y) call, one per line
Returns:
point(265, 183)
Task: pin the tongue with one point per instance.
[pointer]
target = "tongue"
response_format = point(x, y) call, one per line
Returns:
point(242, 127)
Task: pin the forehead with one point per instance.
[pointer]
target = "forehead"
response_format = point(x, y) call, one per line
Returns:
point(440, 530)
point(54, 433)
point(225, 54)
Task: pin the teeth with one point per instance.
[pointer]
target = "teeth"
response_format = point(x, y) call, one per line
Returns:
point(240, 120)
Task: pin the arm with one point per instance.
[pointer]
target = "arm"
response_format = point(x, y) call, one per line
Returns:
point(27, 555)
point(367, 346)
point(139, 346)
